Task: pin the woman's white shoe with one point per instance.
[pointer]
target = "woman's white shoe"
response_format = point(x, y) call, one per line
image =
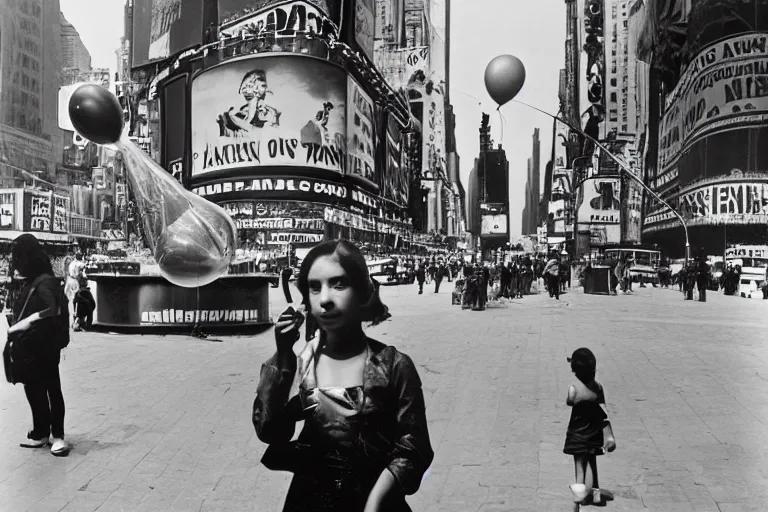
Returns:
point(580, 492)
point(33, 443)
point(59, 447)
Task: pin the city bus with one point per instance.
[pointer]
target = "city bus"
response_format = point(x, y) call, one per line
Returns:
point(753, 260)
point(647, 262)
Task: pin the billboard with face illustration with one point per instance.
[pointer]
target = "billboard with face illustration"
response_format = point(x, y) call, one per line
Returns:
point(259, 112)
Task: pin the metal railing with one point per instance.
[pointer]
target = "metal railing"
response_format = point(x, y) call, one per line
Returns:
point(80, 225)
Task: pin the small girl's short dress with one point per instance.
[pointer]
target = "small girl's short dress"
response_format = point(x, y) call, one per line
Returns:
point(585, 430)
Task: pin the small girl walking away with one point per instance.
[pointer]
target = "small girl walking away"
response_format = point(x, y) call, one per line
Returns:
point(589, 430)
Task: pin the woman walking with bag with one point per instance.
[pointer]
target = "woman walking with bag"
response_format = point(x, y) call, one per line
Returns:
point(40, 330)
point(365, 444)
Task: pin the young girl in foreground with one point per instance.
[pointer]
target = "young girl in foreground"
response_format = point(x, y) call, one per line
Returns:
point(585, 439)
point(365, 444)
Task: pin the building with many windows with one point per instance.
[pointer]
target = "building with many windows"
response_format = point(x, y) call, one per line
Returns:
point(74, 54)
point(30, 62)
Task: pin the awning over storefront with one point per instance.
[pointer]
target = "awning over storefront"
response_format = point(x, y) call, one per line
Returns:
point(11, 235)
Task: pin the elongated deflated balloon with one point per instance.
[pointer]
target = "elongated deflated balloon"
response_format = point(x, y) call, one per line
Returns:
point(192, 240)
point(504, 77)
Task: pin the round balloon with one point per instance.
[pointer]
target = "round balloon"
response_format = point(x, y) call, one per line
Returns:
point(96, 114)
point(504, 77)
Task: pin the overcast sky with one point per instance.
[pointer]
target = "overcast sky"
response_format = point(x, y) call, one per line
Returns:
point(532, 30)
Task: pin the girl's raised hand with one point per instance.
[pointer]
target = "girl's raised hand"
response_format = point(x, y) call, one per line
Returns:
point(287, 330)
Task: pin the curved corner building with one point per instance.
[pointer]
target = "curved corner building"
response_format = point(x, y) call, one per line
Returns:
point(710, 160)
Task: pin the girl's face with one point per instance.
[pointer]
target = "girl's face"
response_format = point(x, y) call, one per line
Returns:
point(332, 299)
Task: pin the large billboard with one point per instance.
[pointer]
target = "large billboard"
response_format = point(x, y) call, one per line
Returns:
point(601, 201)
point(493, 225)
point(286, 111)
point(361, 133)
point(163, 28)
point(723, 89)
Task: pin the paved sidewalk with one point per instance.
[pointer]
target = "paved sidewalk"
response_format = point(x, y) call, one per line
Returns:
point(163, 423)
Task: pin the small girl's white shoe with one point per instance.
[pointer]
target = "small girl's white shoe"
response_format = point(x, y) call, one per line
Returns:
point(580, 492)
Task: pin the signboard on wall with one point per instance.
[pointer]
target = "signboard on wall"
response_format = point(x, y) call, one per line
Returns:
point(61, 211)
point(8, 211)
point(287, 111)
point(433, 160)
point(403, 66)
point(726, 203)
point(240, 9)
point(361, 128)
point(494, 225)
point(37, 211)
point(723, 88)
point(601, 201)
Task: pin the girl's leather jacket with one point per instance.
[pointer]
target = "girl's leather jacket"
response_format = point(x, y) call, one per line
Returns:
point(392, 426)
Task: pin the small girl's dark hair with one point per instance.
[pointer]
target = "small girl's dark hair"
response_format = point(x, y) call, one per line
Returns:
point(353, 262)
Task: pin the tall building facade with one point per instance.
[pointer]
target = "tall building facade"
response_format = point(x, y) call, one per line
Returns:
point(74, 54)
point(531, 210)
point(620, 72)
point(30, 62)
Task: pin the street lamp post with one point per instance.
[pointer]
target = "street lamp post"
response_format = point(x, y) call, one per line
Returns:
point(624, 168)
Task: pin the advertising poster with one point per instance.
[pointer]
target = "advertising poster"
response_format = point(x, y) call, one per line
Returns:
point(361, 146)
point(60, 214)
point(163, 28)
point(433, 134)
point(726, 203)
point(7, 211)
point(37, 211)
point(396, 173)
point(283, 20)
point(561, 181)
point(364, 26)
point(494, 225)
point(723, 88)
point(232, 10)
point(601, 201)
point(255, 112)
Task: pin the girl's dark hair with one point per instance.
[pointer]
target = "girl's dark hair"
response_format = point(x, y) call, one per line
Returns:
point(353, 262)
point(29, 258)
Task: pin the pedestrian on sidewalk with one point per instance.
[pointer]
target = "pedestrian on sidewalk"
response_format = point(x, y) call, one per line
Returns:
point(421, 276)
point(85, 304)
point(40, 329)
point(552, 276)
point(702, 277)
point(365, 444)
point(589, 430)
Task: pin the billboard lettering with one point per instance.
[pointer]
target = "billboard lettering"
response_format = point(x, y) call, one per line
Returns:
point(294, 238)
point(37, 212)
point(280, 21)
point(60, 214)
point(286, 111)
point(278, 224)
point(726, 199)
point(724, 87)
point(294, 185)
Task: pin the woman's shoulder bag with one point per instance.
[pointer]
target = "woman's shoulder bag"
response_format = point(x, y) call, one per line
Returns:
point(18, 361)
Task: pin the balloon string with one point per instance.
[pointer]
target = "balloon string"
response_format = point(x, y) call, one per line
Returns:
point(502, 121)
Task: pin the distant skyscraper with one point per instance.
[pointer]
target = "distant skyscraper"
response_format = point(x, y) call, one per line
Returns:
point(30, 63)
point(74, 54)
point(619, 70)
